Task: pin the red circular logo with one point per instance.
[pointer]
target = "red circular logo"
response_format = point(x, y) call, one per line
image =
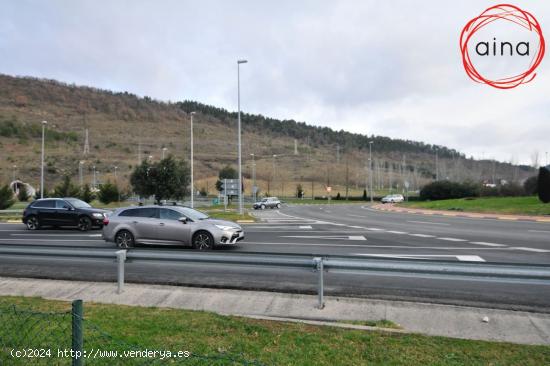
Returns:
point(509, 13)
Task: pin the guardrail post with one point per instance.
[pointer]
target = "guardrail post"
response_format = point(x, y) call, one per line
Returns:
point(121, 258)
point(320, 283)
point(77, 333)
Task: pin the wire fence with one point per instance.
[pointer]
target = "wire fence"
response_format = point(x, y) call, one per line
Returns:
point(29, 337)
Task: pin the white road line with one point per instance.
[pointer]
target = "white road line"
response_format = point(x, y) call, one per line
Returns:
point(536, 250)
point(64, 235)
point(539, 231)
point(397, 232)
point(487, 244)
point(342, 237)
point(372, 246)
point(452, 239)
point(470, 258)
point(357, 237)
point(306, 227)
point(374, 229)
point(55, 240)
point(356, 227)
point(430, 223)
point(363, 217)
point(423, 235)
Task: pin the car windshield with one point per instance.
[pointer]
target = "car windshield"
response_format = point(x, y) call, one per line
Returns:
point(192, 214)
point(76, 203)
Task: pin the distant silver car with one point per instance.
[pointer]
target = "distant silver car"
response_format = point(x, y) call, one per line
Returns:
point(393, 198)
point(173, 225)
point(268, 202)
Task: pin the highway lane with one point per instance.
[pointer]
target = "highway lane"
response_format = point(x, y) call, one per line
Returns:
point(326, 230)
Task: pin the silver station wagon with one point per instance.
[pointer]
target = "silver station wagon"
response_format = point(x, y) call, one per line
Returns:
point(173, 225)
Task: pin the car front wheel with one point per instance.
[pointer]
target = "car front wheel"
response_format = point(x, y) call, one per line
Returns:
point(278, 205)
point(262, 207)
point(84, 223)
point(124, 239)
point(33, 223)
point(203, 241)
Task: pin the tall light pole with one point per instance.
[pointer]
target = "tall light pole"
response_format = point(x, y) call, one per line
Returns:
point(370, 171)
point(80, 177)
point(254, 188)
point(436, 165)
point(192, 182)
point(163, 152)
point(116, 177)
point(273, 172)
point(14, 170)
point(94, 182)
point(44, 123)
point(239, 62)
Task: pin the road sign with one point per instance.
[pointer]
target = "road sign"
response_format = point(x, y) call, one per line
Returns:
point(329, 189)
point(407, 184)
point(230, 187)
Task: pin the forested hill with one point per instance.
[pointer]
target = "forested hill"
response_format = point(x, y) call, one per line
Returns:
point(318, 135)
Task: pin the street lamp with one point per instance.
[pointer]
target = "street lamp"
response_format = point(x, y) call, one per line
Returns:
point(370, 171)
point(116, 178)
point(254, 188)
point(81, 180)
point(436, 165)
point(163, 151)
point(14, 169)
point(239, 62)
point(192, 182)
point(94, 182)
point(44, 123)
point(273, 171)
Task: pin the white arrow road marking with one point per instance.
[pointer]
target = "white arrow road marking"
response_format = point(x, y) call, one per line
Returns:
point(345, 237)
point(487, 244)
point(462, 258)
point(536, 250)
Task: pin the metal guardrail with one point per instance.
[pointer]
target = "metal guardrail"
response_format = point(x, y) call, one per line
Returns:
point(499, 272)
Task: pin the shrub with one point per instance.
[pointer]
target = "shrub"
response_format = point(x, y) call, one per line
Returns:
point(23, 194)
point(444, 189)
point(66, 188)
point(85, 194)
point(543, 184)
point(6, 197)
point(511, 190)
point(108, 193)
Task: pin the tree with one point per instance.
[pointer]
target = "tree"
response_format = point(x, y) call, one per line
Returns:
point(108, 193)
point(23, 194)
point(364, 194)
point(544, 184)
point(531, 185)
point(226, 172)
point(66, 188)
point(166, 179)
point(6, 197)
point(85, 194)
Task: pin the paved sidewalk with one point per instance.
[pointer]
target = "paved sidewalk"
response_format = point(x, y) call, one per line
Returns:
point(394, 208)
point(430, 319)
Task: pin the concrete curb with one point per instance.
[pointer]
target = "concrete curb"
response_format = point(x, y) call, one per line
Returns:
point(430, 319)
point(391, 208)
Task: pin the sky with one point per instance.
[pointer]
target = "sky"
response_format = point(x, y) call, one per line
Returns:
point(390, 68)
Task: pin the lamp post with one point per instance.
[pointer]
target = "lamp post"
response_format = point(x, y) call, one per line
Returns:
point(254, 188)
point(436, 165)
point(239, 62)
point(163, 152)
point(192, 182)
point(116, 177)
point(273, 172)
point(14, 170)
point(44, 123)
point(94, 181)
point(370, 171)
point(80, 177)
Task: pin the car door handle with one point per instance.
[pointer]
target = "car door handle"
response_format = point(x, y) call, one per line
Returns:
point(161, 224)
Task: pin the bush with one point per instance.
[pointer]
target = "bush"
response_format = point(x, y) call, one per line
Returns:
point(66, 188)
point(511, 190)
point(543, 184)
point(6, 197)
point(444, 189)
point(530, 186)
point(108, 193)
point(85, 194)
point(23, 195)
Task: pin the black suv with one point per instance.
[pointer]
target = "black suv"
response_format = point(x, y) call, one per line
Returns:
point(62, 212)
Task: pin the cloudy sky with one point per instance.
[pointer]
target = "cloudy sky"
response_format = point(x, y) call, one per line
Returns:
point(389, 68)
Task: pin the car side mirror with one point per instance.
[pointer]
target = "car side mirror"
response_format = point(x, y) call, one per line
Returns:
point(183, 220)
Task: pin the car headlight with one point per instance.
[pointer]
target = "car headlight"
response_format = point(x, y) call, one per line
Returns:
point(97, 215)
point(223, 227)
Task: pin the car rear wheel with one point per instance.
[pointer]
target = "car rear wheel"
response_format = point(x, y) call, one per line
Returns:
point(84, 223)
point(278, 205)
point(124, 239)
point(33, 223)
point(203, 241)
point(262, 207)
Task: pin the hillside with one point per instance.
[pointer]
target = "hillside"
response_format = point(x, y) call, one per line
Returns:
point(123, 127)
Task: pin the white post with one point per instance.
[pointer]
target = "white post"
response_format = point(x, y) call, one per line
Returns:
point(80, 178)
point(44, 123)
point(192, 182)
point(239, 62)
point(121, 258)
point(370, 172)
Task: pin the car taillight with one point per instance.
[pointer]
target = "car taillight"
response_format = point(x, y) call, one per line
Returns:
point(106, 221)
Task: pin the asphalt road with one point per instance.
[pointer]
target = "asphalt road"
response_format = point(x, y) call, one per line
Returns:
point(327, 230)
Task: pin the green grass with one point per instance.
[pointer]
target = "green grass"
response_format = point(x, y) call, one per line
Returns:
point(269, 342)
point(500, 205)
point(227, 215)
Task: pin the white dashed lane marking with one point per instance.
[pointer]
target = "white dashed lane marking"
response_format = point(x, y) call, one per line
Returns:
point(397, 232)
point(452, 239)
point(429, 223)
point(423, 235)
point(487, 244)
point(536, 250)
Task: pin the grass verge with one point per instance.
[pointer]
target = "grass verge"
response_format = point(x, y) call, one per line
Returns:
point(277, 343)
point(499, 205)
